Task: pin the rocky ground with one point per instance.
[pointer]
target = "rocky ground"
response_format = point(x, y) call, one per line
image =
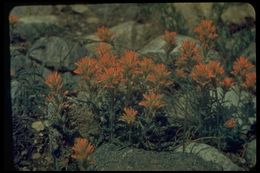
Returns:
point(53, 37)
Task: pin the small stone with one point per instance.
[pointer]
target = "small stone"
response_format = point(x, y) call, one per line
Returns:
point(38, 126)
point(25, 169)
point(36, 156)
point(40, 134)
point(79, 8)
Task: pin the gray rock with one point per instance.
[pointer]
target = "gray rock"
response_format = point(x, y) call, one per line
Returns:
point(110, 157)
point(79, 8)
point(209, 153)
point(237, 14)
point(128, 35)
point(38, 126)
point(154, 48)
point(250, 154)
point(111, 14)
point(56, 52)
point(60, 7)
point(192, 13)
point(33, 27)
point(231, 98)
point(91, 49)
point(32, 10)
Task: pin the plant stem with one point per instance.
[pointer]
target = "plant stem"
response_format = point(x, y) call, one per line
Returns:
point(130, 134)
point(239, 96)
point(111, 114)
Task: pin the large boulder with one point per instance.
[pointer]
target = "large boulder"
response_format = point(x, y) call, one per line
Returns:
point(237, 14)
point(211, 154)
point(32, 10)
point(80, 8)
point(192, 13)
point(34, 27)
point(110, 157)
point(155, 48)
point(128, 35)
point(112, 14)
point(55, 52)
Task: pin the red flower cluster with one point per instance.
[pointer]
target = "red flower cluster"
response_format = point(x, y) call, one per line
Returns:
point(104, 34)
point(170, 37)
point(205, 73)
point(245, 73)
point(111, 72)
point(54, 81)
point(13, 19)
point(231, 123)
point(206, 32)
point(129, 116)
point(152, 100)
point(190, 55)
point(82, 149)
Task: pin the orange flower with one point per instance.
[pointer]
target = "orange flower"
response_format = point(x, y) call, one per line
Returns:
point(180, 72)
point(152, 100)
point(146, 66)
point(207, 32)
point(82, 149)
point(250, 80)
point(103, 48)
point(107, 61)
point(129, 116)
point(159, 75)
point(130, 58)
point(104, 34)
point(201, 74)
point(54, 81)
point(111, 77)
point(130, 62)
point(231, 123)
point(242, 66)
point(227, 82)
point(13, 19)
point(87, 67)
point(216, 69)
point(190, 54)
point(170, 37)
